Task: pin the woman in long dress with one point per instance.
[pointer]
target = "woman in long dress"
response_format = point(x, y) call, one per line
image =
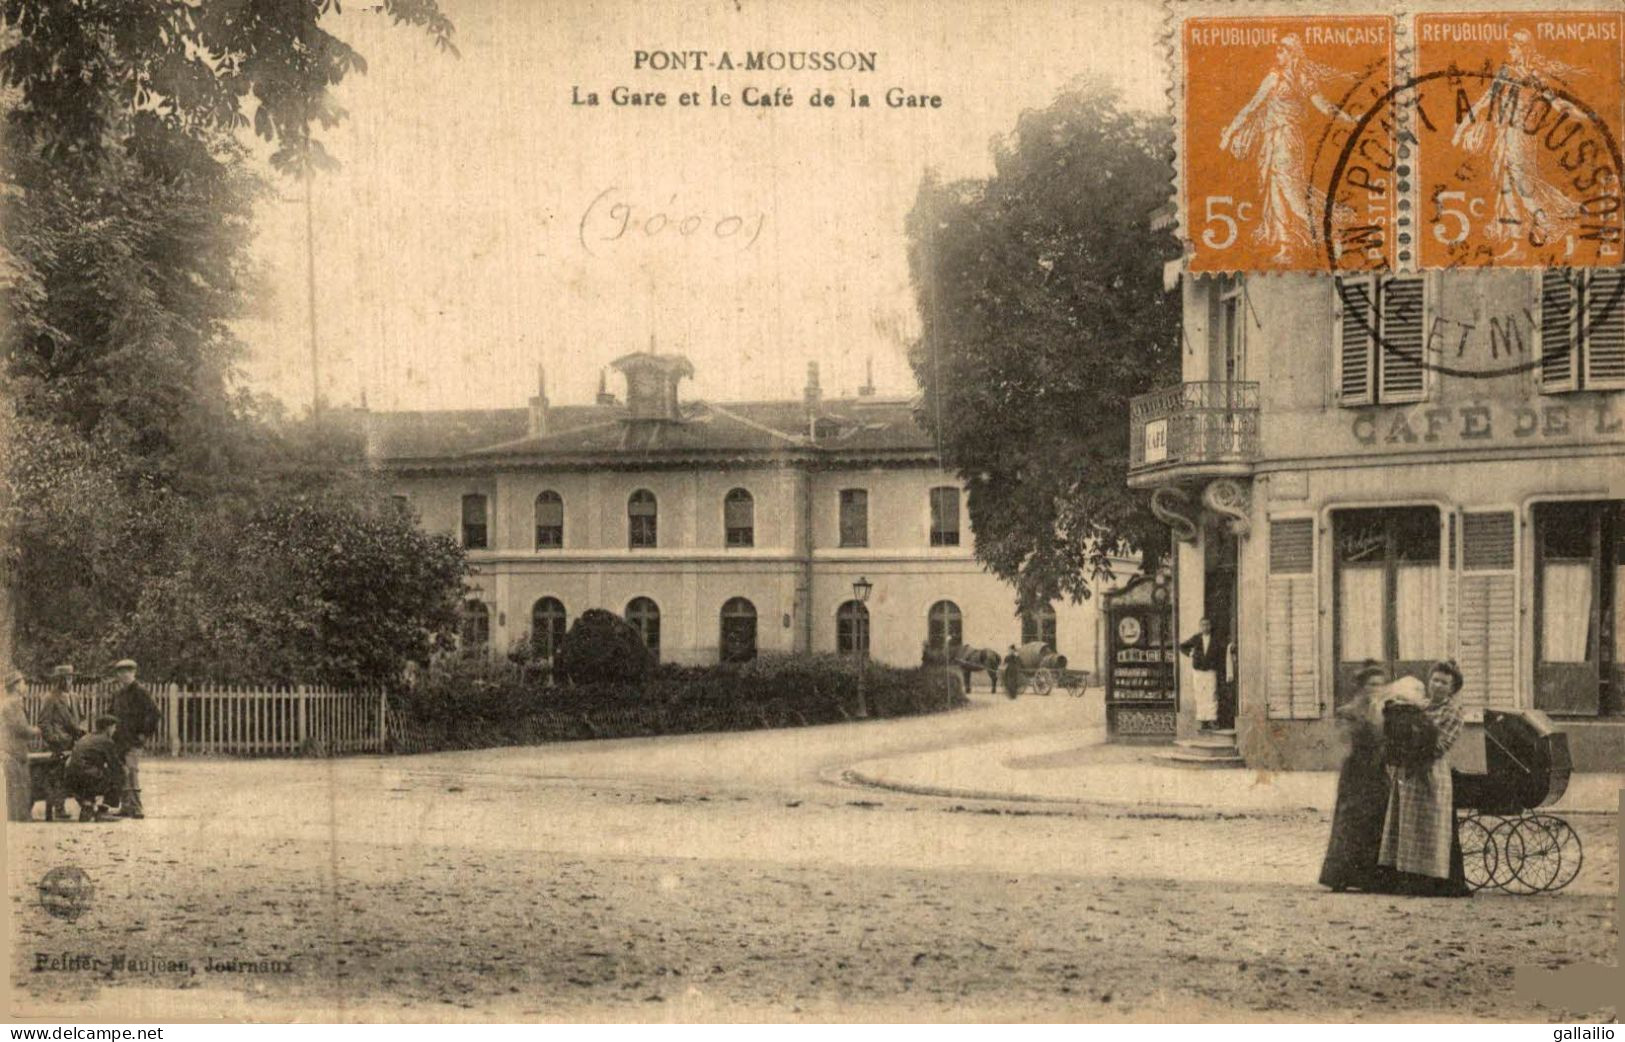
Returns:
point(1419, 839)
point(1362, 792)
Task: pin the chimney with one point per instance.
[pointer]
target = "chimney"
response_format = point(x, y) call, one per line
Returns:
point(604, 397)
point(538, 406)
point(651, 384)
point(812, 394)
point(868, 388)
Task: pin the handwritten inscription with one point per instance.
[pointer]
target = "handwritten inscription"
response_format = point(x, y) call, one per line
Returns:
point(613, 218)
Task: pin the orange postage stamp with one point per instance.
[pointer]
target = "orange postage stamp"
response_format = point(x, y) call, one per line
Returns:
point(1519, 116)
point(1269, 107)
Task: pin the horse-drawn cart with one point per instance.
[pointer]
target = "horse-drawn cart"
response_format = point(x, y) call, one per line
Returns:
point(1037, 668)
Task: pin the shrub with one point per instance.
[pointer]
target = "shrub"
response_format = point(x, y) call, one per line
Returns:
point(601, 646)
point(473, 702)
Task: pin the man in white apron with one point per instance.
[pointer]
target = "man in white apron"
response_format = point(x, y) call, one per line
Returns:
point(1207, 656)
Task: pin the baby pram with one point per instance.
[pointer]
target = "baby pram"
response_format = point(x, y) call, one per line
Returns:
point(1505, 843)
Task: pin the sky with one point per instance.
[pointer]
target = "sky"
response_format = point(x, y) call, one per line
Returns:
point(482, 224)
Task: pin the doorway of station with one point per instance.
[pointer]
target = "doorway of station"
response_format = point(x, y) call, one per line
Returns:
point(1219, 601)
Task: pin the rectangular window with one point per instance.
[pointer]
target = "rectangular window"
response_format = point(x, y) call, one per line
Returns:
point(945, 516)
point(1380, 337)
point(854, 517)
point(642, 521)
point(474, 526)
point(1582, 330)
point(549, 521)
point(1579, 572)
point(1387, 592)
point(739, 519)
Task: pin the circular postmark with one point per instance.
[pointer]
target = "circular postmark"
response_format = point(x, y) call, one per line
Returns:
point(1528, 130)
point(66, 892)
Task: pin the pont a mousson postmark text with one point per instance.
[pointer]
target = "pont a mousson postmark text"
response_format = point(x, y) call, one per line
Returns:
point(1492, 141)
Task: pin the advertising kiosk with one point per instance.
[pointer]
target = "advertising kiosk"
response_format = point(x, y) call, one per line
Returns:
point(1142, 702)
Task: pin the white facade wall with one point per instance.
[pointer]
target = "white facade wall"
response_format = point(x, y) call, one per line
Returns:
point(691, 573)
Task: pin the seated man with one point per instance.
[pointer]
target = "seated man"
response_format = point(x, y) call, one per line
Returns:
point(95, 771)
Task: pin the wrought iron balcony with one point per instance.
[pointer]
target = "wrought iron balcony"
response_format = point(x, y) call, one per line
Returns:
point(1202, 429)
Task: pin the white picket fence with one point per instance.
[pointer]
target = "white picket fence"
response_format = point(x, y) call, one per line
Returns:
point(224, 720)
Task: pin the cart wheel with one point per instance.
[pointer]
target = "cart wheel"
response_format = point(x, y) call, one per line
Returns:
point(1043, 681)
point(1508, 854)
point(1478, 854)
point(1542, 859)
point(1568, 851)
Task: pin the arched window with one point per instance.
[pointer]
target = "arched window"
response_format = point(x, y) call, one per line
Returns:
point(851, 628)
point(474, 530)
point(644, 616)
point(641, 517)
point(739, 518)
point(1039, 626)
point(476, 624)
point(547, 626)
point(944, 626)
point(738, 630)
point(549, 521)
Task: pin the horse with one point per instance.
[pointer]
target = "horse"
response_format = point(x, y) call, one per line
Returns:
point(971, 660)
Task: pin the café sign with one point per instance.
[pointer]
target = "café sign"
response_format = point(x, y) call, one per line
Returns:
point(1485, 422)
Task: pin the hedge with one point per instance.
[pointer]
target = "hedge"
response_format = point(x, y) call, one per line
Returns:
point(472, 703)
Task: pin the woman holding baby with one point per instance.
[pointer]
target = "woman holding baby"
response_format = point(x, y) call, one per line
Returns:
point(1395, 832)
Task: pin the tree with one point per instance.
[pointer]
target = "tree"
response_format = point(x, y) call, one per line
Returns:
point(1043, 313)
point(141, 485)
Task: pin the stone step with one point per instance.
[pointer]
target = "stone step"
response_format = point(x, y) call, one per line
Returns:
point(1206, 746)
point(1199, 762)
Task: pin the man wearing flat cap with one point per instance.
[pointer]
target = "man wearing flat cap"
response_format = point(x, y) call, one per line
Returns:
point(93, 773)
point(137, 717)
point(18, 732)
point(60, 727)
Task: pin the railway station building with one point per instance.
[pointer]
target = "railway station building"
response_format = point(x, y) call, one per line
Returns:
point(720, 530)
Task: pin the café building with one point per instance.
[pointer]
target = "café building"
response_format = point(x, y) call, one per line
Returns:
point(1400, 469)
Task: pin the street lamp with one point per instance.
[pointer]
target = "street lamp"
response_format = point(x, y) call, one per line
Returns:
point(860, 593)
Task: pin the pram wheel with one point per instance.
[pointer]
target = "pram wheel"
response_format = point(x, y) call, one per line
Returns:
point(1479, 858)
point(1554, 858)
point(1541, 859)
point(1509, 849)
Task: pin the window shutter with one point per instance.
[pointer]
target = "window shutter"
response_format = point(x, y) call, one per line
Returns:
point(1489, 610)
point(1451, 591)
point(1403, 378)
point(1290, 620)
point(1355, 321)
point(1604, 355)
point(1557, 340)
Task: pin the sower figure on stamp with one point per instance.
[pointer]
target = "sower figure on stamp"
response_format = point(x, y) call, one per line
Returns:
point(94, 773)
point(60, 727)
point(1270, 128)
point(137, 717)
point(1207, 654)
point(19, 786)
